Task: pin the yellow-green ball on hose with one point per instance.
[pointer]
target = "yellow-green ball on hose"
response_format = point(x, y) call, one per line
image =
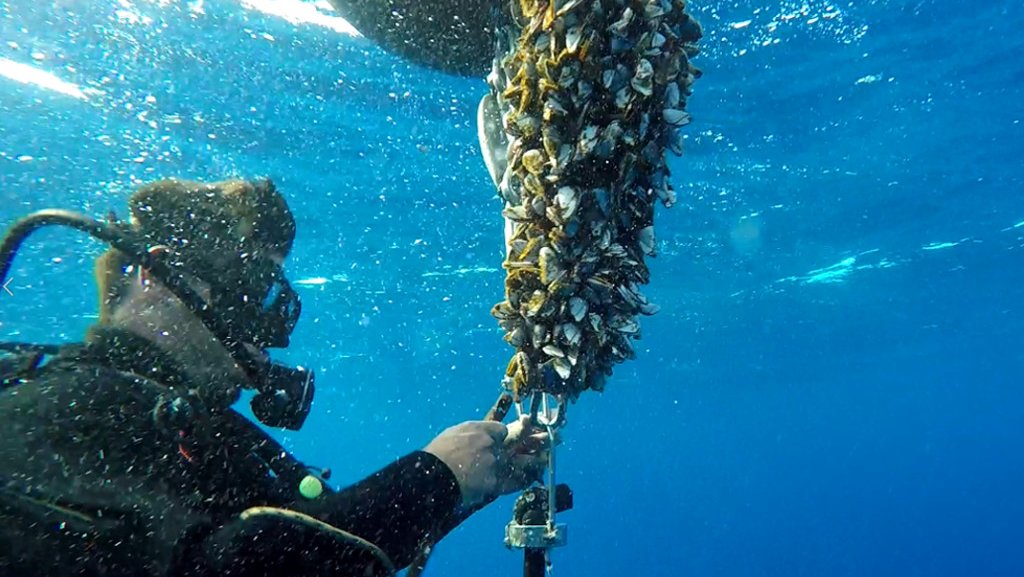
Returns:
point(310, 487)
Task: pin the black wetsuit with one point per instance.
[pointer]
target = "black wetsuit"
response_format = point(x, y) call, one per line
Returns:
point(95, 481)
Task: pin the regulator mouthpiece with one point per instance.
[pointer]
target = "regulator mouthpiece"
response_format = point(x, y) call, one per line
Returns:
point(284, 396)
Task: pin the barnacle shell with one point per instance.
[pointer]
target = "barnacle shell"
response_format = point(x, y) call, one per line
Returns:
point(533, 161)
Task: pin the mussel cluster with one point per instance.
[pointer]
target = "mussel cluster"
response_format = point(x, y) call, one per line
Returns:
point(591, 94)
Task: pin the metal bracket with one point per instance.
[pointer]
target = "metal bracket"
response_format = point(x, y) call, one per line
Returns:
point(535, 536)
point(546, 410)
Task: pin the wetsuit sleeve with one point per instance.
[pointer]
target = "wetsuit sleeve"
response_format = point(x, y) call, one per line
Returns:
point(395, 509)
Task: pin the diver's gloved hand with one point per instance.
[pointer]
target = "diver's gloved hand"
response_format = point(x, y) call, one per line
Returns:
point(490, 459)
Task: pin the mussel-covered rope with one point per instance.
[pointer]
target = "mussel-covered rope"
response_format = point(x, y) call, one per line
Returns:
point(589, 95)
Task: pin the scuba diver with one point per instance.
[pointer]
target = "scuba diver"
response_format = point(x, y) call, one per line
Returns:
point(122, 455)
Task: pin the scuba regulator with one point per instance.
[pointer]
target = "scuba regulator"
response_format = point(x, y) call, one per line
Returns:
point(246, 317)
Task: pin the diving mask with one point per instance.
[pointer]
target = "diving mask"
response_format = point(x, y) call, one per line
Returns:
point(261, 307)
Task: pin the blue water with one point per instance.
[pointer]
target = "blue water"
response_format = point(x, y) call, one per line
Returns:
point(833, 385)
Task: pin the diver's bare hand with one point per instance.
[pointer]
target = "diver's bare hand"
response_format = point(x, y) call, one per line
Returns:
point(490, 459)
point(472, 451)
point(525, 456)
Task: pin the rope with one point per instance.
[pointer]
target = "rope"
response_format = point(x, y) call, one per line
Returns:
point(319, 525)
point(589, 98)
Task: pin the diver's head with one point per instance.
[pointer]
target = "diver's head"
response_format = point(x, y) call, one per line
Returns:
point(229, 239)
point(212, 292)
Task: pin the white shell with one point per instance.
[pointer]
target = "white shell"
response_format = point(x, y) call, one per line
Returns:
point(675, 117)
point(572, 333)
point(622, 98)
point(572, 39)
point(653, 9)
point(649, 308)
point(620, 25)
point(608, 78)
point(577, 308)
point(562, 367)
point(568, 199)
point(588, 140)
point(626, 325)
point(516, 337)
point(550, 266)
point(675, 141)
point(672, 95)
point(567, 7)
point(643, 79)
point(646, 239)
point(553, 351)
